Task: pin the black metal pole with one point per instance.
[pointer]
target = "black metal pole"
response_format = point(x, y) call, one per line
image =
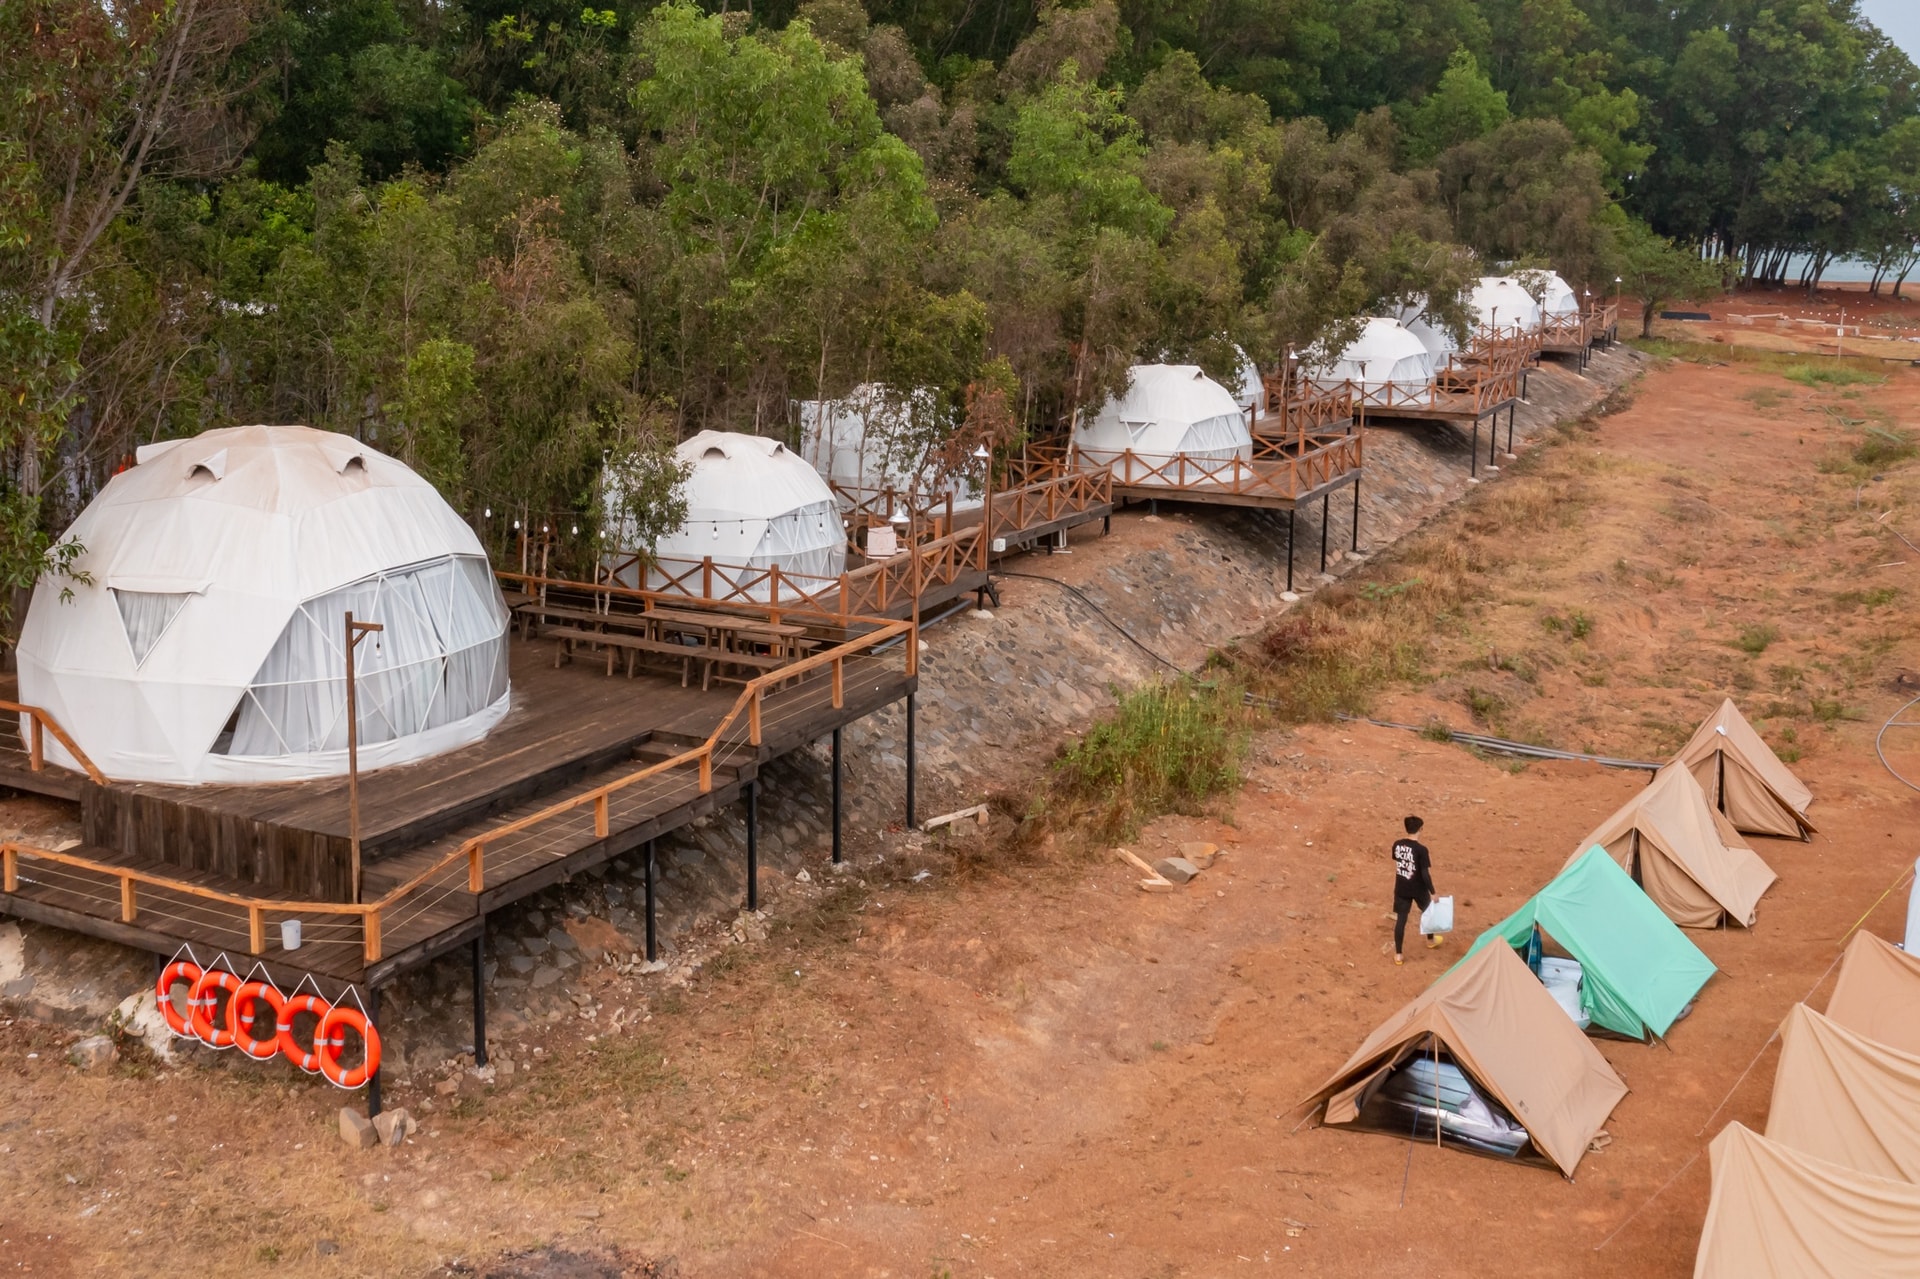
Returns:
point(652, 944)
point(1289, 548)
point(480, 996)
point(836, 797)
point(1473, 455)
point(1356, 512)
point(753, 846)
point(1493, 441)
point(1510, 410)
point(373, 1080)
point(1325, 498)
point(912, 762)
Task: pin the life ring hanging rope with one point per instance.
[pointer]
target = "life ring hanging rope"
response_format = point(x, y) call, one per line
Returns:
point(259, 1020)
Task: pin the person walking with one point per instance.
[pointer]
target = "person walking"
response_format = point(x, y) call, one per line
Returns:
point(1412, 885)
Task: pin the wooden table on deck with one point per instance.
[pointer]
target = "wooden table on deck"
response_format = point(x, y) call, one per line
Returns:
point(725, 639)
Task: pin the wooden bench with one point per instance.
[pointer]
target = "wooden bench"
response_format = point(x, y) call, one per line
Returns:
point(632, 645)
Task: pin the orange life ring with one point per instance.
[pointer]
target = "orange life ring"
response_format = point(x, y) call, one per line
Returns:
point(208, 1026)
point(331, 1040)
point(178, 971)
point(307, 1059)
point(243, 1014)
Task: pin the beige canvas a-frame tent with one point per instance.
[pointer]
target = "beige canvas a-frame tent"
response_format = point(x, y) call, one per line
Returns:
point(1778, 1212)
point(1499, 1025)
point(1840, 1096)
point(1744, 779)
point(1878, 994)
point(1688, 858)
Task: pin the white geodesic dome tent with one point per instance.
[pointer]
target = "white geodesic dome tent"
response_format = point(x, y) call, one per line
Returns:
point(1557, 296)
point(864, 441)
point(1439, 343)
point(752, 504)
point(210, 645)
point(1503, 302)
point(1168, 411)
point(1387, 363)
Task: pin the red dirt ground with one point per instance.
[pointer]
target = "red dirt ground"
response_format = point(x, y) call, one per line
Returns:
point(1040, 1070)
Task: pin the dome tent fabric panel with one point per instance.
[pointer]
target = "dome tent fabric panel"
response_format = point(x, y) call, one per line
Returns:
point(1169, 411)
point(752, 504)
point(1638, 971)
point(867, 441)
point(1838, 1095)
point(248, 523)
point(1500, 1025)
point(1878, 993)
point(1387, 361)
point(1776, 1213)
point(1500, 301)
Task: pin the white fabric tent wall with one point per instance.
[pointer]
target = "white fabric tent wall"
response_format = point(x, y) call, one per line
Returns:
point(1387, 362)
point(1558, 297)
point(1439, 343)
point(1169, 411)
point(1253, 388)
point(222, 566)
point(1501, 301)
point(752, 504)
point(850, 443)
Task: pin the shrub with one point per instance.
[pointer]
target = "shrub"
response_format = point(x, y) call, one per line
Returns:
point(1166, 748)
point(1881, 447)
point(1818, 375)
point(1753, 640)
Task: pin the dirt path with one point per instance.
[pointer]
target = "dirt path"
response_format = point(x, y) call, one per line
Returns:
point(1036, 1069)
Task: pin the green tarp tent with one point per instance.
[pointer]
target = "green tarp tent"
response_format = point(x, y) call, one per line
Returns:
point(1638, 970)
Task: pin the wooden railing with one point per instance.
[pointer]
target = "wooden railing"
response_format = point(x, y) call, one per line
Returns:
point(1300, 407)
point(464, 867)
point(1471, 390)
point(1041, 491)
point(39, 724)
point(1565, 330)
point(1276, 471)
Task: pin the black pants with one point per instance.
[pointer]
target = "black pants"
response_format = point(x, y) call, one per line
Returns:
point(1401, 905)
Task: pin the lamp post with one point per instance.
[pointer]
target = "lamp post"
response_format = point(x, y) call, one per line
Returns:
point(984, 455)
point(356, 631)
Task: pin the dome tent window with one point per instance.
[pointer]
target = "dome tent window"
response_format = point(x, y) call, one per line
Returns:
point(147, 615)
point(209, 646)
point(441, 658)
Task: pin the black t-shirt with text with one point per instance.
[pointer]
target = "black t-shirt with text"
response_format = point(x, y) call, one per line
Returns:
point(1411, 869)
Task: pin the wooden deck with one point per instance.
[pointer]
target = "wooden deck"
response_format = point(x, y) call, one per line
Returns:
point(585, 767)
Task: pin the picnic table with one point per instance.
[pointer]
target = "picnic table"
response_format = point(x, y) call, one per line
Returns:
point(722, 640)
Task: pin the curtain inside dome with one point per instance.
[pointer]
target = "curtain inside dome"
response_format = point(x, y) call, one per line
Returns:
point(441, 657)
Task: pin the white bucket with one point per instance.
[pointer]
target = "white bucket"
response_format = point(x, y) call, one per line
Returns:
point(289, 934)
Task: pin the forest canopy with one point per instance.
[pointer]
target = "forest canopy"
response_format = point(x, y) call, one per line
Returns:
point(517, 242)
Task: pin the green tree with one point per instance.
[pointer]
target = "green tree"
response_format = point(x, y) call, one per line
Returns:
point(1462, 107)
point(1655, 270)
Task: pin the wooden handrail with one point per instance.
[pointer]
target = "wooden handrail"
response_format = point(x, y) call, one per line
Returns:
point(42, 720)
point(473, 850)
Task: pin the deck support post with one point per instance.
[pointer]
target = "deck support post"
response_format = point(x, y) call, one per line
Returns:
point(1325, 500)
point(836, 797)
point(1356, 512)
point(1473, 455)
point(1493, 439)
point(373, 1080)
point(753, 846)
point(652, 943)
point(1289, 548)
point(480, 994)
point(1510, 409)
point(912, 762)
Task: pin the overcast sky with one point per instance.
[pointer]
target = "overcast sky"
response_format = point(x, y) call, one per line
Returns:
point(1899, 19)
